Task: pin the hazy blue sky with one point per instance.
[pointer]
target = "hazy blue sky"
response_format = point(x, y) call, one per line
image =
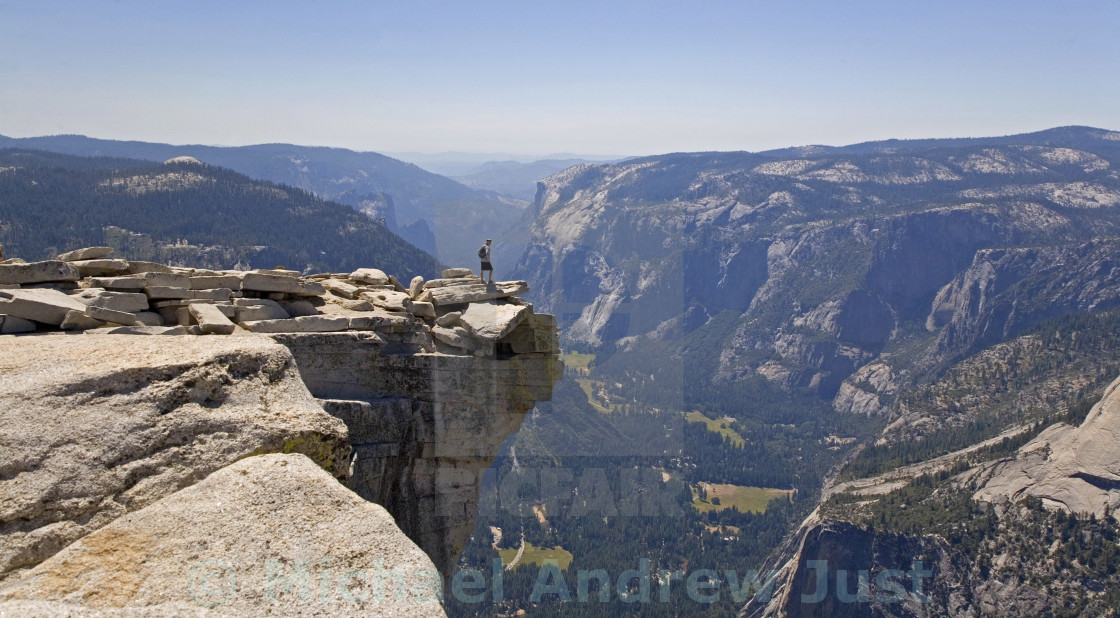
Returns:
point(530, 77)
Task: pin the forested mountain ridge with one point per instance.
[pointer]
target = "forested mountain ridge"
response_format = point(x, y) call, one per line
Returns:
point(1000, 477)
point(433, 212)
point(186, 213)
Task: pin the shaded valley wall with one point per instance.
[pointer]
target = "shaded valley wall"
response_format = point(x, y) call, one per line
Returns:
point(833, 568)
point(424, 426)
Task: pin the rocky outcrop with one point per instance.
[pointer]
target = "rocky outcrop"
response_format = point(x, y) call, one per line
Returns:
point(69, 294)
point(1075, 469)
point(37, 272)
point(867, 391)
point(424, 426)
point(267, 535)
point(93, 428)
point(122, 423)
point(462, 294)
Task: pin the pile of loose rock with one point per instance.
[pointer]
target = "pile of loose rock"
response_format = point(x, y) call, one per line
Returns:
point(89, 290)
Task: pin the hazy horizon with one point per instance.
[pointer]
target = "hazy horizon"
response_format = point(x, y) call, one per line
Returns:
point(502, 157)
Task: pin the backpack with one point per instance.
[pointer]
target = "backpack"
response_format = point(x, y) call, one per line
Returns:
point(482, 251)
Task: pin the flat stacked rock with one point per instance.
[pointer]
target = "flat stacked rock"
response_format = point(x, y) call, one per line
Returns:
point(90, 290)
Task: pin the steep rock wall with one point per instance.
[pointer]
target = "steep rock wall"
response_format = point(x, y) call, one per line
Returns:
point(832, 568)
point(98, 430)
point(423, 426)
point(827, 257)
point(1006, 291)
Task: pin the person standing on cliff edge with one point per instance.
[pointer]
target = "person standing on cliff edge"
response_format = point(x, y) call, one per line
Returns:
point(484, 255)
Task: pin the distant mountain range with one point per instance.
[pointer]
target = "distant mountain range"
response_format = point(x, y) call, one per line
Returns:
point(437, 214)
point(803, 242)
point(189, 214)
point(513, 178)
point(454, 164)
point(512, 175)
